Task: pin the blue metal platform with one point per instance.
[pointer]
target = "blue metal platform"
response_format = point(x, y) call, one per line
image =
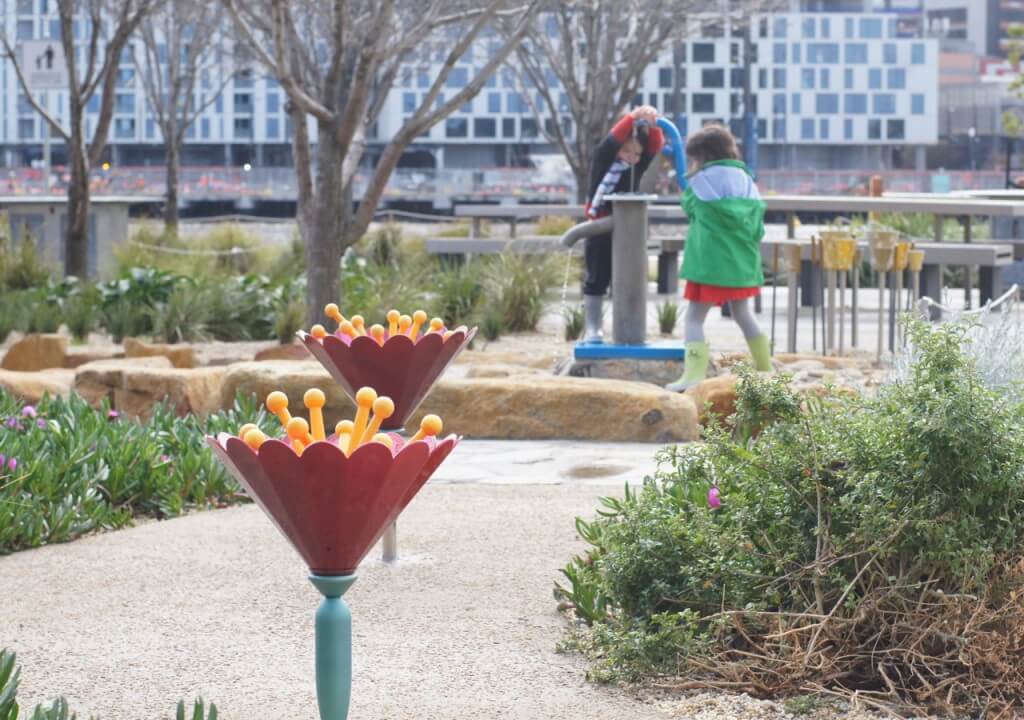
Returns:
point(663, 350)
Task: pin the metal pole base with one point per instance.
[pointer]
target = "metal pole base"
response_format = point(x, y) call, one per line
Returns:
point(333, 646)
point(389, 542)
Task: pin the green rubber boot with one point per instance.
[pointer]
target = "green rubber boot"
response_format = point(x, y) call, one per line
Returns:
point(695, 366)
point(761, 349)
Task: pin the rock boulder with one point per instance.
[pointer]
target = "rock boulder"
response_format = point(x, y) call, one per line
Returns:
point(181, 356)
point(36, 352)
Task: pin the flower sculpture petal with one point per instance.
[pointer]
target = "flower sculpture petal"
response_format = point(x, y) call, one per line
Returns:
point(400, 368)
point(330, 507)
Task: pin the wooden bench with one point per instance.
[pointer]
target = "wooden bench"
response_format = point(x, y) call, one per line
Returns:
point(458, 249)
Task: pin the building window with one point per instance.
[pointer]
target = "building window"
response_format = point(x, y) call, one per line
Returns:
point(508, 127)
point(26, 7)
point(243, 128)
point(529, 128)
point(889, 54)
point(762, 78)
point(779, 53)
point(808, 27)
point(55, 29)
point(796, 53)
point(848, 78)
point(779, 27)
point(712, 78)
point(871, 28)
point(737, 78)
point(856, 53)
point(874, 129)
point(485, 127)
point(849, 27)
point(779, 128)
point(274, 101)
point(734, 103)
point(703, 52)
point(23, 30)
point(456, 127)
point(514, 103)
point(848, 129)
point(823, 53)
point(883, 104)
point(124, 128)
point(408, 102)
point(273, 128)
point(466, 107)
point(823, 128)
point(826, 103)
point(243, 103)
point(125, 77)
point(795, 104)
point(779, 103)
point(875, 79)
point(458, 78)
point(917, 54)
point(897, 78)
point(26, 128)
point(779, 78)
point(855, 104)
point(703, 102)
point(807, 78)
point(665, 77)
point(826, 28)
point(894, 129)
point(807, 129)
point(124, 103)
point(204, 126)
point(494, 102)
point(917, 104)
point(824, 81)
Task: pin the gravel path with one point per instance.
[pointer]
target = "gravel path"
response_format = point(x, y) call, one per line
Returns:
point(217, 604)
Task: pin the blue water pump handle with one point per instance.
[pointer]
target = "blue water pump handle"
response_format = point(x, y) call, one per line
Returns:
point(674, 149)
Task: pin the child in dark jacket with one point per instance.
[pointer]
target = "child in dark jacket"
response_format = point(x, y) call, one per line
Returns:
point(619, 162)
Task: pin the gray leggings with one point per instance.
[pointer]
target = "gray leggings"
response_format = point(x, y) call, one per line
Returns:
point(697, 312)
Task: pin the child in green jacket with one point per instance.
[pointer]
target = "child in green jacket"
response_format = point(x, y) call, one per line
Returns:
point(722, 258)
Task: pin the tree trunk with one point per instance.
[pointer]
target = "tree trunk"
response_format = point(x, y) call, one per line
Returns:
point(323, 240)
point(76, 234)
point(171, 206)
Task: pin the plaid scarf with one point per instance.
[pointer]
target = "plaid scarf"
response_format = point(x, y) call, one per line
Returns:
point(607, 184)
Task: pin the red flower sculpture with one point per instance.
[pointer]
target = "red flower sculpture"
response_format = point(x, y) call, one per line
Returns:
point(400, 368)
point(332, 508)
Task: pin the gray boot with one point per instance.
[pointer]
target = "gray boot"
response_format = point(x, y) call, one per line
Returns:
point(593, 314)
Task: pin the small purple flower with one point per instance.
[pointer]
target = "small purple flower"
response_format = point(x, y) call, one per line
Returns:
point(42, 424)
point(113, 415)
point(165, 458)
point(714, 501)
point(28, 411)
point(3, 460)
point(12, 464)
point(12, 422)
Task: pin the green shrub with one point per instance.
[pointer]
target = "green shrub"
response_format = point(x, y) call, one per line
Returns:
point(574, 321)
point(668, 317)
point(870, 545)
point(554, 225)
point(69, 470)
point(463, 228)
point(290, 318)
point(492, 323)
point(81, 311)
point(370, 289)
point(223, 251)
point(20, 266)
point(519, 284)
point(457, 291)
point(183, 316)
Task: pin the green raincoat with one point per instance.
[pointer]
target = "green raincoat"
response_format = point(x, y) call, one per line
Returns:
point(723, 246)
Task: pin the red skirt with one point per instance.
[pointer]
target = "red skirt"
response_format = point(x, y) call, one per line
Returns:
point(716, 294)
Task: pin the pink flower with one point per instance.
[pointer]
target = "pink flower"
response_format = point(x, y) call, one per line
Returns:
point(41, 423)
point(2, 461)
point(12, 464)
point(12, 422)
point(28, 411)
point(714, 501)
point(113, 415)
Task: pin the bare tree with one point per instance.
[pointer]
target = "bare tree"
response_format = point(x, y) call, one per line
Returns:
point(337, 61)
point(190, 32)
point(585, 60)
point(106, 26)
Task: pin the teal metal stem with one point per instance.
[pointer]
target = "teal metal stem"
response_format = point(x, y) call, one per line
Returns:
point(333, 646)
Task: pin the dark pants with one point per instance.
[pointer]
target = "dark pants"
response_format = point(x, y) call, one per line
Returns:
point(597, 259)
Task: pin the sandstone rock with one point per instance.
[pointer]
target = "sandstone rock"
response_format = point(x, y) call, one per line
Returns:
point(292, 378)
point(100, 379)
point(533, 406)
point(76, 357)
point(809, 366)
point(828, 361)
point(186, 390)
point(284, 352)
point(31, 386)
point(181, 356)
point(657, 372)
point(539, 360)
point(498, 370)
point(552, 407)
point(715, 396)
point(36, 352)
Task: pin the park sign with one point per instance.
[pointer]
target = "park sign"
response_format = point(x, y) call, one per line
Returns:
point(42, 62)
